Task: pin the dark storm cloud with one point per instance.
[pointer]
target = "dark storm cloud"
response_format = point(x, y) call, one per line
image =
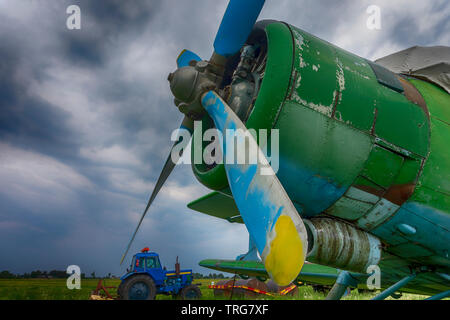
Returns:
point(86, 116)
point(83, 48)
point(317, 17)
point(103, 22)
point(82, 140)
point(122, 16)
point(408, 31)
point(26, 120)
point(106, 26)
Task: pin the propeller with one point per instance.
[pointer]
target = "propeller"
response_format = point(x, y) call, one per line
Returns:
point(187, 124)
point(266, 209)
point(183, 60)
point(185, 57)
point(237, 23)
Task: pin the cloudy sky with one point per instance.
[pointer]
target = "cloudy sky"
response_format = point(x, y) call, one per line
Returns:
point(86, 117)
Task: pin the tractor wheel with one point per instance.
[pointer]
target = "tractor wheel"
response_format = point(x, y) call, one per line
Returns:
point(120, 290)
point(139, 287)
point(191, 292)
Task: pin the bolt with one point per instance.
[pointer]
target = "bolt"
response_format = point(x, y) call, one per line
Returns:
point(243, 74)
point(201, 66)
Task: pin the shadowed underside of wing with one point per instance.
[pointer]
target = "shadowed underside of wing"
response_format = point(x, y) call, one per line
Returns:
point(315, 274)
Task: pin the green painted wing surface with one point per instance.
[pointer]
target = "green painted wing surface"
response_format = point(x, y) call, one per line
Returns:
point(218, 205)
point(311, 273)
point(426, 283)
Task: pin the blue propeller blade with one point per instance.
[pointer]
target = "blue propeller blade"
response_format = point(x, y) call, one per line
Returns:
point(237, 23)
point(268, 213)
point(188, 125)
point(185, 57)
point(183, 60)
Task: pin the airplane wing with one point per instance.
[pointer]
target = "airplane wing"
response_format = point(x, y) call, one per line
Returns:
point(393, 268)
point(311, 273)
point(315, 274)
point(217, 204)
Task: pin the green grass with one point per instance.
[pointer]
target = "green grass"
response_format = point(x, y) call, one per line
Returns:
point(47, 289)
point(304, 293)
point(55, 289)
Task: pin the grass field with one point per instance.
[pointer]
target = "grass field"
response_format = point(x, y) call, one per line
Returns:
point(55, 289)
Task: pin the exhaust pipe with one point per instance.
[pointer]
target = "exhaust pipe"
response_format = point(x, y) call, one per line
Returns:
point(341, 245)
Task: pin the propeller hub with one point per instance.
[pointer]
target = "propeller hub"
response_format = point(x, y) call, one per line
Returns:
point(188, 83)
point(182, 83)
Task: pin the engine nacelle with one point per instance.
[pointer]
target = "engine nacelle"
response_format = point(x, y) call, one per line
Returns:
point(341, 245)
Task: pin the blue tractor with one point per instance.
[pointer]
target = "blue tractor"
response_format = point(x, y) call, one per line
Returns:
point(146, 278)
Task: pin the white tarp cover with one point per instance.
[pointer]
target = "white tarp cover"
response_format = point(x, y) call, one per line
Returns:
point(431, 63)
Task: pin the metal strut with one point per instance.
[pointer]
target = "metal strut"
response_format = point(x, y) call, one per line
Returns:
point(440, 296)
point(252, 254)
point(343, 281)
point(389, 291)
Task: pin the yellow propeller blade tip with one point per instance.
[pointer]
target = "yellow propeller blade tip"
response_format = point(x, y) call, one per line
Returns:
point(286, 255)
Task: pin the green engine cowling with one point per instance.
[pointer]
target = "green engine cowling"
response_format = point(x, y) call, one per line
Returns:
point(358, 143)
point(276, 39)
point(333, 116)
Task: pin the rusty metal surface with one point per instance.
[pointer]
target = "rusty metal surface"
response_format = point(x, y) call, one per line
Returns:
point(342, 245)
point(398, 194)
point(413, 95)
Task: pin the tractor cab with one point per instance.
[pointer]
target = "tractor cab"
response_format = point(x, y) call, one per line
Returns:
point(143, 261)
point(145, 278)
point(146, 262)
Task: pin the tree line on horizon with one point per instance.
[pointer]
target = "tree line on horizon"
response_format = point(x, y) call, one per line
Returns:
point(62, 274)
point(197, 275)
point(58, 274)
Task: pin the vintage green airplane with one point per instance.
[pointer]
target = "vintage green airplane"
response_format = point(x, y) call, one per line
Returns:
point(364, 156)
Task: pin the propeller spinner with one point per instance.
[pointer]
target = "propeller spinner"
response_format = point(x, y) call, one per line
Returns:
point(267, 211)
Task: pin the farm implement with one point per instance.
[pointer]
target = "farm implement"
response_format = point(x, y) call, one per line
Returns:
point(251, 288)
point(146, 278)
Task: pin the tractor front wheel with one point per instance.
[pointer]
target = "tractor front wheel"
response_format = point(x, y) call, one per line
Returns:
point(139, 287)
point(191, 292)
point(120, 290)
